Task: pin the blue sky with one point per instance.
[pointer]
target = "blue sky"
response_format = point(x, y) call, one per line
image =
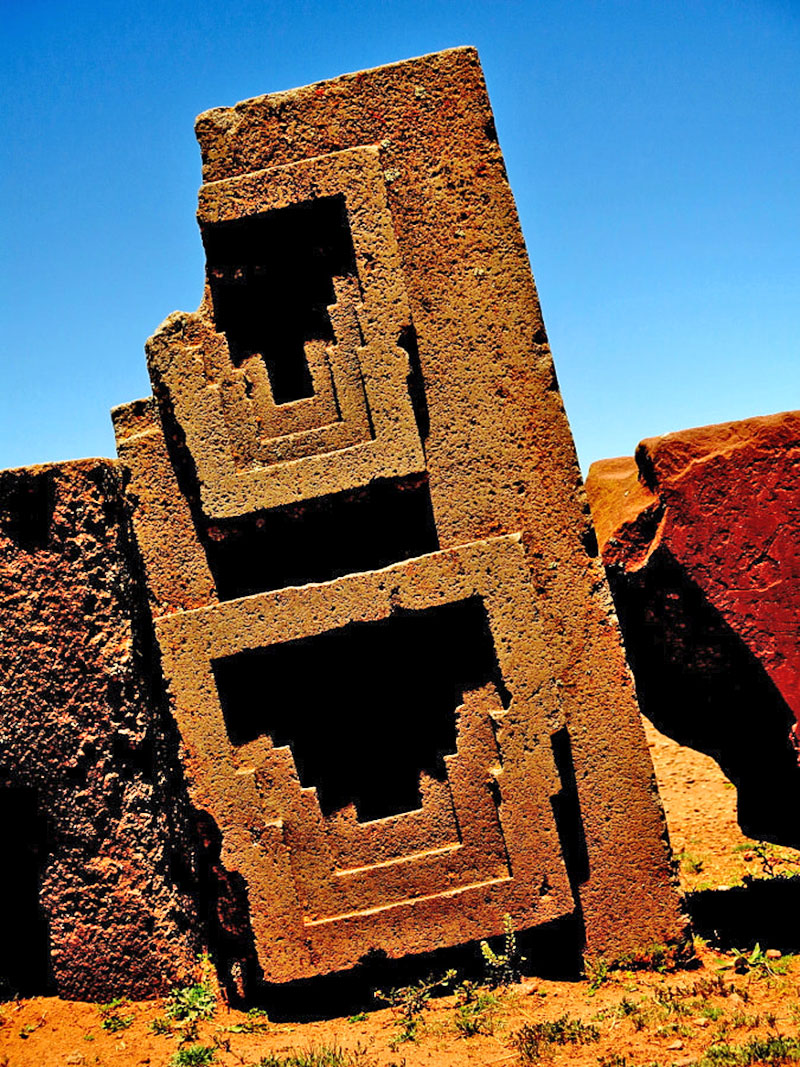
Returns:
point(653, 148)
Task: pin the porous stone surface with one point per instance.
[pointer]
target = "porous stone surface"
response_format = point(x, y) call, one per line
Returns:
point(356, 468)
point(699, 537)
point(86, 816)
point(434, 874)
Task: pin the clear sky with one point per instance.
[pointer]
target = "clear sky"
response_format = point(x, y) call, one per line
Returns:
point(653, 147)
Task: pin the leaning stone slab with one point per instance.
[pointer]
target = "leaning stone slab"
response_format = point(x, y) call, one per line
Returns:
point(389, 647)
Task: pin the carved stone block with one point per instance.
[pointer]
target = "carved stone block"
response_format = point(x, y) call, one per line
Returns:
point(390, 649)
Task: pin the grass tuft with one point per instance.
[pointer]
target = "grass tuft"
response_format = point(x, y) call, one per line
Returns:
point(535, 1038)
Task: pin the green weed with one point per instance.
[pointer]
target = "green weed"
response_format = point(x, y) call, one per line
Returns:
point(475, 1010)
point(409, 1003)
point(712, 1012)
point(596, 971)
point(193, 1056)
point(740, 1020)
point(322, 1056)
point(689, 861)
point(256, 1022)
point(112, 1019)
point(755, 962)
point(190, 1003)
point(770, 1051)
point(502, 968)
point(534, 1038)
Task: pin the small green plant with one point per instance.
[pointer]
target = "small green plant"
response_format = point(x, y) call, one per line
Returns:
point(321, 1056)
point(770, 1051)
point(502, 968)
point(712, 1012)
point(475, 1010)
point(756, 962)
point(160, 1026)
point(409, 1002)
point(674, 1029)
point(740, 1020)
point(535, 1038)
point(189, 1003)
point(671, 1001)
point(713, 987)
point(689, 861)
point(776, 862)
point(255, 1022)
point(112, 1019)
point(768, 858)
point(596, 971)
point(653, 957)
point(626, 1007)
point(193, 1056)
point(359, 1017)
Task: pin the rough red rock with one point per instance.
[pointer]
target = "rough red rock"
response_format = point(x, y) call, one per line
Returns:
point(699, 536)
point(86, 812)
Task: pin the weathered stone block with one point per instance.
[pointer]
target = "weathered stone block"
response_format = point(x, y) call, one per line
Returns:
point(253, 446)
point(331, 869)
point(698, 534)
point(358, 498)
point(89, 901)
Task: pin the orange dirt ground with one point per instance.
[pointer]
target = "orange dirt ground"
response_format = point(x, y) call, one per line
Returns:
point(641, 1017)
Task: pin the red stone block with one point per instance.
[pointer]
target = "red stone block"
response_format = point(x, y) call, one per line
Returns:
point(699, 535)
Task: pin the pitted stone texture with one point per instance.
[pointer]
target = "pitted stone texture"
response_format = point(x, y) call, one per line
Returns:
point(251, 452)
point(178, 577)
point(483, 843)
point(437, 308)
point(699, 535)
point(76, 744)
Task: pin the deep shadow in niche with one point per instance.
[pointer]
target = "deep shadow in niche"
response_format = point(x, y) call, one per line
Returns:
point(25, 943)
point(416, 382)
point(367, 707)
point(388, 521)
point(26, 508)
point(567, 813)
point(271, 278)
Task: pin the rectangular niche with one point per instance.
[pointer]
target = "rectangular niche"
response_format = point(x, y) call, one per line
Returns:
point(375, 752)
point(366, 709)
point(271, 278)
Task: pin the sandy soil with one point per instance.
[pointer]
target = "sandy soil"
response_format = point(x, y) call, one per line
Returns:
point(632, 1019)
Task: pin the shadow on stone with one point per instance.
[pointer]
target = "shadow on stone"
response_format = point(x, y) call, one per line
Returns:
point(698, 682)
point(553, 951)
point(24, 943)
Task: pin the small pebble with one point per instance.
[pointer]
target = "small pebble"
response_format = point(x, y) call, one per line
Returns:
point(675, 1045)
point(773, 954)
